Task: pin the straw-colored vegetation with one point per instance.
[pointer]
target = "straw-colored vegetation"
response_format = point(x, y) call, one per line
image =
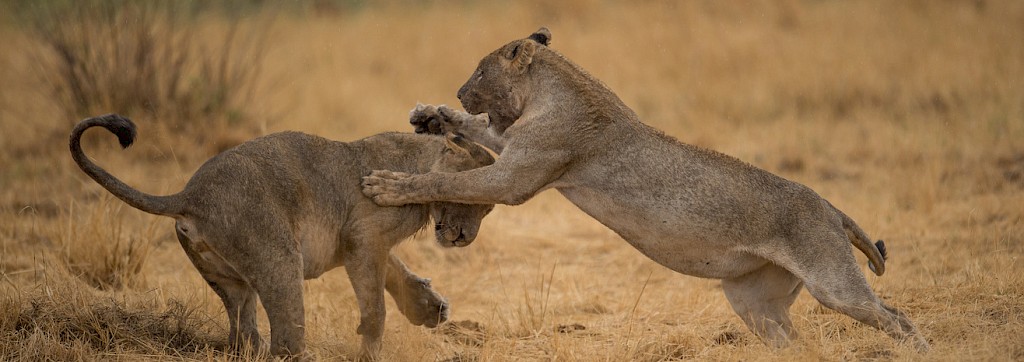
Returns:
point(909, 116)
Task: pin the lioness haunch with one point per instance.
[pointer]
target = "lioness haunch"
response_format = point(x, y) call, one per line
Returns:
point(259, 218)
point(693, 210)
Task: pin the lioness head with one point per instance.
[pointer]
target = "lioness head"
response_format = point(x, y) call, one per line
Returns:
point(458, 224)
point(498, 87)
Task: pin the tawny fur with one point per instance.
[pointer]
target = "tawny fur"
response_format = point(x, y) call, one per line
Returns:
point(259, 218)
point(693, 210)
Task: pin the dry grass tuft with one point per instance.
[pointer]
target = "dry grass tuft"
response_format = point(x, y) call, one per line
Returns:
point(60, 321)
point(116, 260)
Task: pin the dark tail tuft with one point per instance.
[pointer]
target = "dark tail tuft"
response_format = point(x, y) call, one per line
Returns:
point(120, 126)
point(881, 249)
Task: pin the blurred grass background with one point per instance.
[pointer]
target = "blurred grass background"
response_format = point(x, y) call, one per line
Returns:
point(907, 115)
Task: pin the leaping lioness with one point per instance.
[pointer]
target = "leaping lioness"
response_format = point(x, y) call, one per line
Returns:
point(693, 210)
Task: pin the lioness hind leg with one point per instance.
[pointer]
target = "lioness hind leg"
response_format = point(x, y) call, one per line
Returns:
point(279, 285)
point(855, 299)
point(240, 302)
point(238, 297)
point(762, 299)
point(414, 296)
point(835, 280)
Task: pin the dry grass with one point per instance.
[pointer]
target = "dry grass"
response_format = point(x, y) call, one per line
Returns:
point(909, 116)
point(157, 60)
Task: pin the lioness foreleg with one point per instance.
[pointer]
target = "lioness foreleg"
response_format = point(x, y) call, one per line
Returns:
point(762, 299)
point(366, 266)
point(414, 296)
point(517, 176)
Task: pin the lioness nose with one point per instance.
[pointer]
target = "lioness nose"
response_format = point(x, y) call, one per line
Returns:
point(461, 240)
point(462, 90)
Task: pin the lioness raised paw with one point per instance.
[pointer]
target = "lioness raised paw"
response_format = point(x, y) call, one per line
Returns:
point(440, 119)
point(426, 118)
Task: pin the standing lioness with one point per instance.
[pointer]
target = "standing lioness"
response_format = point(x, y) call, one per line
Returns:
point(693, 210)
point(259, 218)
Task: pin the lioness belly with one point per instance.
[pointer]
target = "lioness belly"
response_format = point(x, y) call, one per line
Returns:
point(674, 242)
point(696, 259)
point(318, 241)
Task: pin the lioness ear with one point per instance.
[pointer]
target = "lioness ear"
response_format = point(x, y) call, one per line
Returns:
point(522, 55)
point(452, 143)
point(542, 35)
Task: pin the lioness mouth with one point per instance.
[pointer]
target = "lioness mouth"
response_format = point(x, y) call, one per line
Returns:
point(460, 241)
point(452, 235)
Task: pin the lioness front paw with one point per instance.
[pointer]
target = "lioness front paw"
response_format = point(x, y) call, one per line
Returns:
point(425, 307)
point(426, 118)
point(386, 188)
point(452, 116)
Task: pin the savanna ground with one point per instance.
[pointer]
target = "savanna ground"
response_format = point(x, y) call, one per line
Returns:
point(909, 116)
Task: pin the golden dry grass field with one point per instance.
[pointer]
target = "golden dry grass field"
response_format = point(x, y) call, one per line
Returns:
point(909, 116)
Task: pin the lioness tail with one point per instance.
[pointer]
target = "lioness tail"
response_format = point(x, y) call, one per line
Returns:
point(124, 129)
point(875, 252)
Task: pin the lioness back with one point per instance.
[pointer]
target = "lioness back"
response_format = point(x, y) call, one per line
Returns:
point(297, 167)
point(310, 180)
point(283, 170)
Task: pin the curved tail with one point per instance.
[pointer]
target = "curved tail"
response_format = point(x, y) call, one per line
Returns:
point(875, 252)
point(125, 131)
